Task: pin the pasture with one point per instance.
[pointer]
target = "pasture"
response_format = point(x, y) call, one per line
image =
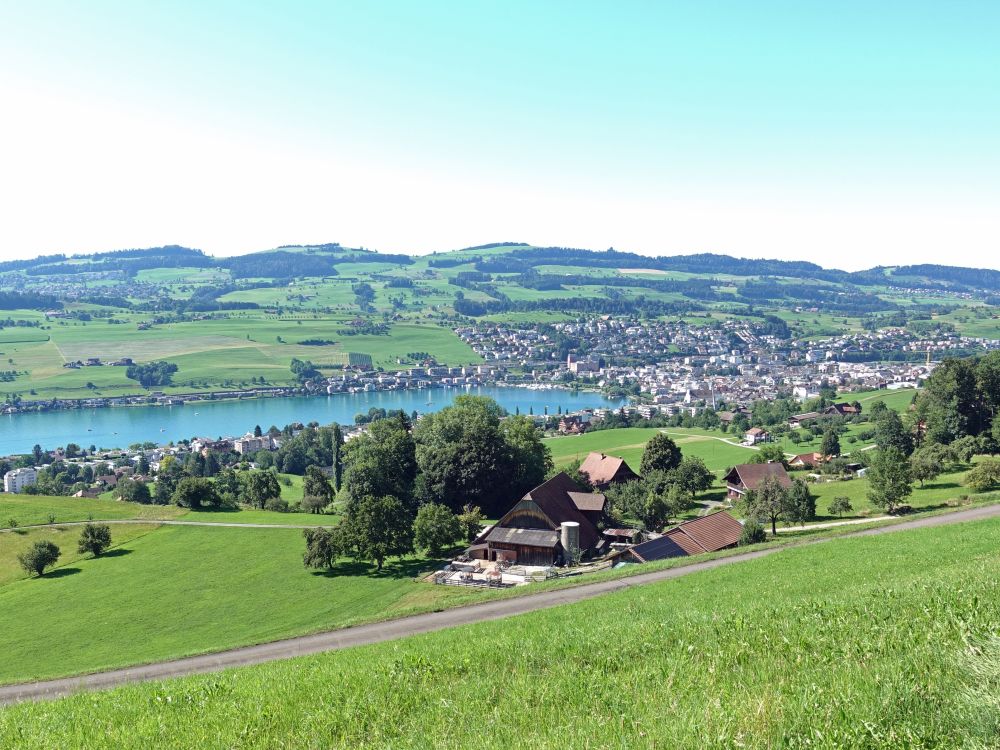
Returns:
point(884, 641)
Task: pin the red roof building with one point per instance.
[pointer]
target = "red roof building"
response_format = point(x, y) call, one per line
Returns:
point(706, 534)
point(746, 477)
point(602, 470)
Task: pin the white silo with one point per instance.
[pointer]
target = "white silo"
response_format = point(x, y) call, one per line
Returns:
point(570, 538)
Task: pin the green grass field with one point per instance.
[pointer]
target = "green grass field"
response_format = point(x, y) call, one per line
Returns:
point(876, 642)
point(181, 590)
point(629, 443)
point(34, 509)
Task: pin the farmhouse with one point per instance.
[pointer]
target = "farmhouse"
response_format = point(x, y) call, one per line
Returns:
point(548, 521)
point(807, 460)
point(756, 435)
point(602, 470)
point(801, 420)
point(706, 534)
point(843, 410)
point(744, 477)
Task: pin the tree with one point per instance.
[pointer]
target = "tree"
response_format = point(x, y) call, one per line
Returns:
point(436, 528)
point(195, 493)
point(465, 455)
point(841, 505)
point(530, 457)
point(72, 450)
point(753, 533)
point(257, 432)
point(38, 557)
point(375, 528)
point(471, 518)
point(38, 454)
point(770, 454)
point(317, 492)
point(800, 504)
point(984, 476)
point(926, 463)
point(831, 443)
point(133, 491)
point(322, 548)
point(337, 449)
point(142, 465)
point(258, 487)
point(767, 502)
point(692, 475)
point(890, 433)
point(661, 454)
point(888, 478)
point(94, 539)
point(381, 461)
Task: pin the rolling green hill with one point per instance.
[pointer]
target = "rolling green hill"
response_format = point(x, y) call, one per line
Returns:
point(876, 642)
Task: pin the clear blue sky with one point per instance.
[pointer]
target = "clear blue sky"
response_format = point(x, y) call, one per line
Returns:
point(845, 133)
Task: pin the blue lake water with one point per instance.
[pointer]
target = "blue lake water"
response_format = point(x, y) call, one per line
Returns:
point(123, 426)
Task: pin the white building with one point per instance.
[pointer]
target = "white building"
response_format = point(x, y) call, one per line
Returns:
point(250, 444)
point(18, 479)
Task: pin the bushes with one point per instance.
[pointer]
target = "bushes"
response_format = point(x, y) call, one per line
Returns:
point(753, 533)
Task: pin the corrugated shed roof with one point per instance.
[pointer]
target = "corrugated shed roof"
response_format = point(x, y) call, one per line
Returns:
point(529, 537)
point(658, 549)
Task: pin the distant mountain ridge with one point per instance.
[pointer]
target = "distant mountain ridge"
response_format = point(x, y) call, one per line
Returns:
point(287, 261)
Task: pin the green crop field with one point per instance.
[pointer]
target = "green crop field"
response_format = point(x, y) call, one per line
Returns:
point(876, 642)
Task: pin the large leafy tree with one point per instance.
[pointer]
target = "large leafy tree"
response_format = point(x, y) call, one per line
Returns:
point(890, 432)
point(258, 487)
point(466, 455)
point(375, 528)
point(317, 492)
point(94, 539)
point(381, 461)
point(322, 548)
point(436, 528)
point(661, 454)
point(38, 557)
point(800, 503)
point(692, 475)
point(830, 446)
point(889, 479)
point(768, 502)
point(196, 493)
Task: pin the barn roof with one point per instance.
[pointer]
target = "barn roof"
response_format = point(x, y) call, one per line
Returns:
point(751, 475)
point(706, 534)
point(528, 537)
point(601, 468)
point(588, 501)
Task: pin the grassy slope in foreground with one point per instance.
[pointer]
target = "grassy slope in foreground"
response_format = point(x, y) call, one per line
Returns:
point(860, 642)
point(187, 589)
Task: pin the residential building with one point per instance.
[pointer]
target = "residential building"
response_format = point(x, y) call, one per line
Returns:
point(17, 480)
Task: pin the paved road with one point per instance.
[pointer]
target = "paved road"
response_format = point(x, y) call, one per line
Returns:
point(407, 626)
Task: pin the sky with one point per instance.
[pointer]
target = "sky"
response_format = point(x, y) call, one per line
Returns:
point(849, 134)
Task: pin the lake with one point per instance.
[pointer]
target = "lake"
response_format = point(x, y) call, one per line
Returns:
point(122, 426)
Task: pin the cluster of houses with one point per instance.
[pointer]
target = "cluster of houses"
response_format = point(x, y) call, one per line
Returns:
point(557, 524)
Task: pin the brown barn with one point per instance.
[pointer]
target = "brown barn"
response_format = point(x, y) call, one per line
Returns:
point(706, 534)
point(749, 476)
point(602, 470)
point(529, 533)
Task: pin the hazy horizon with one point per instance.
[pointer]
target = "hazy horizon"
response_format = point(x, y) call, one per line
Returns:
point(849, 135)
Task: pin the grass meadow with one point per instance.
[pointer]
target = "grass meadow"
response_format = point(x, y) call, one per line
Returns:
point(875, 642)
point(180, 590)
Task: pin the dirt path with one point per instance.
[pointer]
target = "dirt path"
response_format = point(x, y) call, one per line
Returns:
point(167, 522)
point(425, 623)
